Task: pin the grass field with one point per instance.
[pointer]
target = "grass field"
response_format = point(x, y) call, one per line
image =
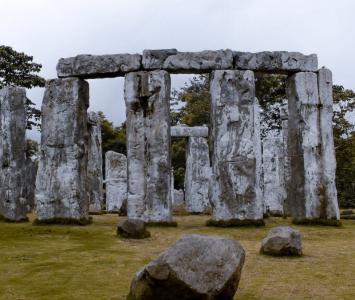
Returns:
point(90, 262)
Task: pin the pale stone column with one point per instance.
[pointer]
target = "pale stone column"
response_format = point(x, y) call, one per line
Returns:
point(61, 194)
point(236, 195)
point(116, 181)
point(13, 202)
point(147, 96)
point(312, 195)
point(197, 175)
point(329, 202)
point(94, 168)
point(273, 170)
point(285, 155)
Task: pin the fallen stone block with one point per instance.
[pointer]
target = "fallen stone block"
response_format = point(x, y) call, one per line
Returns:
point(187, 271)
point(282, 241)
point(132, 229)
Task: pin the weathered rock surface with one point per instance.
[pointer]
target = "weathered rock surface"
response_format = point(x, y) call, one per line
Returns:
point(62, 172)
point(116, 181)
point(187, 271)
point(31, 174)
point(197, 175)
point(187, 62)
point(186, 131)
point(94, 168)
point(147, 97)
point(178, 200)
point(329, 204)
point(236, 162)
point(282, 241)
point(273, 172)
point(154, 59)
point(312, 193)
point(276, 61)
point(132, 229)
point(98, 66)
point(13, 202)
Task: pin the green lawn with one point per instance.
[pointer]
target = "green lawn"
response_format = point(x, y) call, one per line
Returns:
point(90, 262)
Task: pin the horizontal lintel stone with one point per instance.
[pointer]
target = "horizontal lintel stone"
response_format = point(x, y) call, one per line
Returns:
point(187, 62)
point(276, 61)
point(98, 66)
point(184, 131)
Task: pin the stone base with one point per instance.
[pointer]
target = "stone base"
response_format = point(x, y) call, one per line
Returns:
point(235, 223)
point(162, 224)
point(4, 219)
point(348, 217)
point(325, 222)
point(273, 214)
point(63, 221)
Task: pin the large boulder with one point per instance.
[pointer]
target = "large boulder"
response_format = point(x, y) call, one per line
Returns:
point(282, 241)
point(132, 229)
point(195, 267)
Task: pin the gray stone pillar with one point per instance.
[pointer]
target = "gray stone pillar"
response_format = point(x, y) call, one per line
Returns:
point(94, 169)
point(13, 202)
point(309, 199)
point(61, 194)
point(273, 170)
point(197, 175)
point(116, 182)
point(236, 195)
point(329, 201)
point(31, 174)
point(147, 96)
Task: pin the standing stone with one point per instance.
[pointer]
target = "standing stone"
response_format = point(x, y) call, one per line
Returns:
point(309, 199)
point(273, 171)
point(236, 196)
point(61, 194)
point(13, 202)
point(147, 96)
point(285, 154)
point(116, 181)
point(95, 163)
point(31, 174)
point(197, 175)
point(329, 201)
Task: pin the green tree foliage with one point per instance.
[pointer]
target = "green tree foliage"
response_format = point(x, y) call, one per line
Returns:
point(18, 69)
point(113, 138)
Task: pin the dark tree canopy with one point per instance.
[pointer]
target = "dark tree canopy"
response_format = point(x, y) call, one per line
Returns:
point(18, 69)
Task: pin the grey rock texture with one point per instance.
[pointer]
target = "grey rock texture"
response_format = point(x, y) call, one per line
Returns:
point(276, 61)
point(62, 172)
point(188, 62)
point(178, 200)
point(31, 174)
point(98, 66)
point(187, 271)
point(116, 181)
point(94, 168)
point(147, 97)
point(236, 161)
point(328, 199)
point(132, 229)
point(282, 241)
point(186, 131)
point(197, 175)
point(312, 193)
point(274, 191)
point(154, 59)
point(13, 202)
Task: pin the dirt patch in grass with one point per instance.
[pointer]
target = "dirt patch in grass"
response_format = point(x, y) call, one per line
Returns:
point(91, 262)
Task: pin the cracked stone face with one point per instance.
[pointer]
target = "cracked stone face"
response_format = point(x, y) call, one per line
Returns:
point(236, 160)
point(13, 202)
point(62, 171)
point(312, 192)
point(116, 181)
point(197, 175)
point(94, 168)
point(147, 97)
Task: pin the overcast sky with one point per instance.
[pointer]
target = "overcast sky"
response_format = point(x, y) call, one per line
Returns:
point(51, 29)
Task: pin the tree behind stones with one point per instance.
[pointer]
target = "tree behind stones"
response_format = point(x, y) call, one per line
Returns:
point(18, 69)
